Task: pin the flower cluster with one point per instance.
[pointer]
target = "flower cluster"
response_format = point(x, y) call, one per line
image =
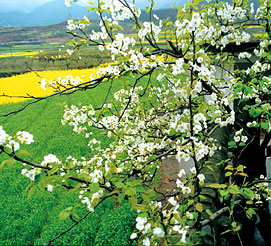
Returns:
point(150, 232)
point(119, 10)
point(81, 24)
point(3, 136)
point(13, 143)
point(120, 45)
point(24, 137)
point(149, 28)
point(231, 13)
point(61, 83)
point(31, 174)
point(240, 137)
point(50, 159)
point(94, 198)
point(188, 25)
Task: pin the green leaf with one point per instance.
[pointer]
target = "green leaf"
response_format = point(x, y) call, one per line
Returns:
point(223, 192)
point(94, 187)
point(225, 232)
point(247, 193)
point(255, 112)
point(190, 202)
point(196, 2)
point(132, 201)
point(209, 167)
point(152, 194)
point(92, 8)
point(141, 207)
point(240, 168)
point(227, 174)
point(32, 190)
point(135, 182)
point(231, 206)
point(120, 27)
point(250, 212)
point(53, 171)
point(78, 186)
point(146, 198)
point(199, 207)
point(202, 197)
point(209, 212)
point(140, 189)
point(265, 126)
point(232, 144)
point(3, 163)
point(64, 214)
point(8, 162)
point(234, 189)
point(23, 152)
point(119, 185)
point(41, 186)
point(216, 186)
point(129, 191)
point(121, 197)
point(237, 228)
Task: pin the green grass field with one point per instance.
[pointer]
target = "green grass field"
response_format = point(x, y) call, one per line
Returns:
point(35, 220)
point(86, 57)
point(9, 49)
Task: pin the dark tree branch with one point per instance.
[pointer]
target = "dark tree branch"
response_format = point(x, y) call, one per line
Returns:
point(17, 158)
point(217, 214)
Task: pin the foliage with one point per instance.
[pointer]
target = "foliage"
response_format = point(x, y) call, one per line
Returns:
point(198, 104)
point(116, 227)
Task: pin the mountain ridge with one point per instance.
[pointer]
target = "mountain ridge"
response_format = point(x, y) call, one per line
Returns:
point(55, 12)
point(47, 14)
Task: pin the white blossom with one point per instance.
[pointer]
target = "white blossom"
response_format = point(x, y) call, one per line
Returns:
point(146, 242)
point(201, 177)
point(172, 201)
point(50, 187)
point(157, 231)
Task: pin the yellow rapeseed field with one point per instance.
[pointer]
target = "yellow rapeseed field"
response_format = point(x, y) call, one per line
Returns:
point(20, 54)
point(21, 85)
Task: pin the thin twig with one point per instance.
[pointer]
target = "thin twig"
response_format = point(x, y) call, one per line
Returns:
point(77, 222)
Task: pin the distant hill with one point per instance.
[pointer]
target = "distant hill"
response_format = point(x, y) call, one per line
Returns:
point(57, 32)
point(161, 13)
point(55, 12)
point(50, 13)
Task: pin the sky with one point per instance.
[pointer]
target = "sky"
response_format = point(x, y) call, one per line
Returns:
point(21, 5)
point(29, 5)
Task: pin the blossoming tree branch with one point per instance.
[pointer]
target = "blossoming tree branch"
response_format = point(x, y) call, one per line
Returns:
point(190, 100)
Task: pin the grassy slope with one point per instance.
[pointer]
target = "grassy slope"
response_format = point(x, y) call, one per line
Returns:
point(35, 220)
